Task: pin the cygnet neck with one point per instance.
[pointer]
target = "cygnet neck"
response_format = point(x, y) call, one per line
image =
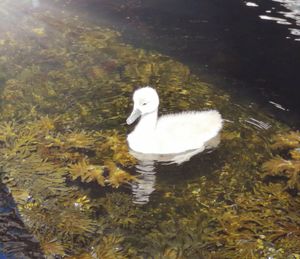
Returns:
point(147, 123)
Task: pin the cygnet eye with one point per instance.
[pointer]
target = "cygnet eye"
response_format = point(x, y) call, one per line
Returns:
point(144, 104)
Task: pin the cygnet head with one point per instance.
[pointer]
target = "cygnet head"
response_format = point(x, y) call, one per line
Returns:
point(145, 101)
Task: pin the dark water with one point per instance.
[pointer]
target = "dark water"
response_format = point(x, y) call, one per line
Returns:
point(224, 41)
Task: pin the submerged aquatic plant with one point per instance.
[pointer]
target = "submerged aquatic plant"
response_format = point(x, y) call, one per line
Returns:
point(87, 172)
point(288, 168)
point(120, 210)
point(286, 140)
point(79, 140)
point(117, 176)
point(72, 223)
point(56, 126)
point(110, 247)
point(52, 247)
point(44, 155)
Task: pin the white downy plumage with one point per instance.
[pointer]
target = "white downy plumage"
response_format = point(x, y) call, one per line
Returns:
point(169, 134)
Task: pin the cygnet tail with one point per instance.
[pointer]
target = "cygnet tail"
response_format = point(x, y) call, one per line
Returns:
point(215, 118)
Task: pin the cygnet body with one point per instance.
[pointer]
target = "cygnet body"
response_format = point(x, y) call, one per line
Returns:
point(169, 134)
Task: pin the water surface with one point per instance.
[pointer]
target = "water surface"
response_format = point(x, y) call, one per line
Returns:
point(66, 87)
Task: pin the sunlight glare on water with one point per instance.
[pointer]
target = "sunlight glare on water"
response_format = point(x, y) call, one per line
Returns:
point(289, 14)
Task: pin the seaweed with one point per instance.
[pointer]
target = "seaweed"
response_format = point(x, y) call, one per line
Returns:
point(117, 147)
point(71, 222)
point(78, 140)
point(110, 247)
point(287, 168)
point(295, 154)
point(62, 130)
point(87, 172)
point(286, 140)
point(117, 176)
point(53, 247)
point(119, 210)
point(45, 156)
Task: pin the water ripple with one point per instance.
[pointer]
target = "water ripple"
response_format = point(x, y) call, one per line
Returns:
point(287, 14)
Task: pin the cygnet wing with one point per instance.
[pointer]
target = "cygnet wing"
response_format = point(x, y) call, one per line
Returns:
point(187, 130)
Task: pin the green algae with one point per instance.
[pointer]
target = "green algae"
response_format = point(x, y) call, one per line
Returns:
point(67, 87)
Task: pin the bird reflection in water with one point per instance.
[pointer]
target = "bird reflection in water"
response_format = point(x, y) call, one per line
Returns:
point(145, 185)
